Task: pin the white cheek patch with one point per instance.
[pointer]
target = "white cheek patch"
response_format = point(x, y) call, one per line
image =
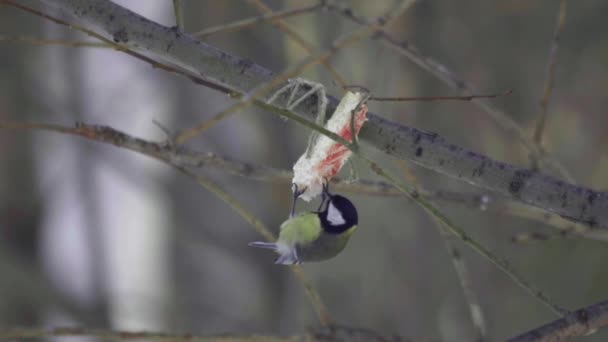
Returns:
point(334, 216)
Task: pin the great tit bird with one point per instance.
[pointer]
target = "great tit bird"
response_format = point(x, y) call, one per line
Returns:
point(316, 235)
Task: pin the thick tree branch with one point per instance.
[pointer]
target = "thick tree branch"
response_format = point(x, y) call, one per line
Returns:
point(115, 335)
point(328, 334)
point(581, 322)
point(423, 148)
point(184, 157)
point(448, 77)
point(550, 77)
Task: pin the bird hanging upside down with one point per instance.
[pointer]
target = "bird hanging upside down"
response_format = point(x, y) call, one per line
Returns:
point(315, 235)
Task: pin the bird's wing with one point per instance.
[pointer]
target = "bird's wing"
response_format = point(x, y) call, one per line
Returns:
point(301, 229)
point(260, 244)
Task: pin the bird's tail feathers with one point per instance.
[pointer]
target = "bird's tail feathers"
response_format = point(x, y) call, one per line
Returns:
point(287, 255)
point(287, 259)
point(267, 245)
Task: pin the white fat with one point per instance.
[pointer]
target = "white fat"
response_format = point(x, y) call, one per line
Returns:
point(306, 172)
point(334, 216)
point(306, 176)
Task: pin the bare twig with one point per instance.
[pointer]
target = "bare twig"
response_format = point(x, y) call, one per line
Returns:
point(245, 23)
point(427, 149)
point(396, 140)
point(443, 73)
point(464, 278)
point(155, 64)
point(165, 152)
point(501, 263)
point(114, 137)
point(528, 237)
point(340, 333)
point(439, 98)
point(192, 159)
point(332, 333)
point(321, 310)
point(581, 322)
point(115, 335)
point(460, 267)
point(179, 14)
point(413, 193)
point(265, 88)
point(295, 36)
point(550, 76)
point(230, 201)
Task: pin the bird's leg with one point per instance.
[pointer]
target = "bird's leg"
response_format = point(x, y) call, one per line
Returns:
point(325, 195)
point(296, 193)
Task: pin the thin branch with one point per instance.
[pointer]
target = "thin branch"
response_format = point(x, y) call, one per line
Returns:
point(264, 89)
point(166, 153)
point(232, 202)
point(321, 311)
point(464, 277)
point(332, 333)
point(122, 48)
point(109, 135)
point(179, 14)
point(460, 267)
point(115, 335)
point(483, 202)
point(550, 77)
point(581, 322)
point(441, 72)
point(426, 149)
point(414, 194)
point(295, 36)
point(566, 228)
point(192, 159)
point(523, 238)
point(501, 263)
point(245, 23)
point(341, 333)
point(439, 98)
point(188, 158)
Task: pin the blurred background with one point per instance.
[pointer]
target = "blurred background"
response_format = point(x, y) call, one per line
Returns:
point(97, 236)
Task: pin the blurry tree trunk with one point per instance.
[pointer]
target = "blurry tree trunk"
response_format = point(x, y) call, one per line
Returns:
point(19, 195)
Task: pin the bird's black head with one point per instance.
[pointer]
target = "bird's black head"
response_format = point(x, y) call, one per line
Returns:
point(339, 215)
